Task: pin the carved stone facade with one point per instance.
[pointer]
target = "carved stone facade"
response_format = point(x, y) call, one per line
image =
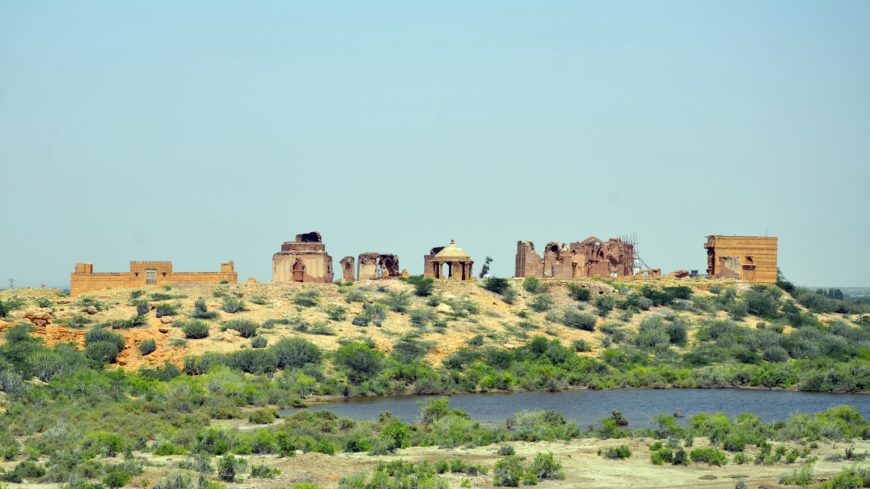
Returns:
point(144, 273)
point(377, 266)
point(302, 260)
point(750, 258)
point(591, 257)
point(458, 263)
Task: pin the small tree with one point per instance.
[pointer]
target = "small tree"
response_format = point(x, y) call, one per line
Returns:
point(484, 270)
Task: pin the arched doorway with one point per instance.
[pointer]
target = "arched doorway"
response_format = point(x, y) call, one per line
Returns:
point(299, 270)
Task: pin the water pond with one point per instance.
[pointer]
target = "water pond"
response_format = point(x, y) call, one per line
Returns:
point(587, 406)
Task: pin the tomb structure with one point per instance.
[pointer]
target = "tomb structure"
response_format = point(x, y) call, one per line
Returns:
point(592, 257)
point(448, 263)
point(302, 260)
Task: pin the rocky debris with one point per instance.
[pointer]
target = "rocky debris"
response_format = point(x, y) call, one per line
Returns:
point(166, 319)
point(91, 310)
point(679, 274)
point(443, 309)
point(38, 317)
point(163, 330)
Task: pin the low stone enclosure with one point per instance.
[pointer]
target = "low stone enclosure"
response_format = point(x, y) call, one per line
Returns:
point(144, 273)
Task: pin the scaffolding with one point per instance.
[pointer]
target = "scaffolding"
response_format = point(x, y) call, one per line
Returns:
point(639, 264)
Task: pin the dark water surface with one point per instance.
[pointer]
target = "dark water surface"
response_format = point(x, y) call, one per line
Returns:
point(587, 407)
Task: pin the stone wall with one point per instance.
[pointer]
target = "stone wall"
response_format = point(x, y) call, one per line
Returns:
point(83, 279)
point(750, 258)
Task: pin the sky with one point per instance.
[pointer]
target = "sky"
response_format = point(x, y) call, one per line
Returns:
point(205, 131)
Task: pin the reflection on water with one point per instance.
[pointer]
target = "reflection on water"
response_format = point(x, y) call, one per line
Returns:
point(587, 407)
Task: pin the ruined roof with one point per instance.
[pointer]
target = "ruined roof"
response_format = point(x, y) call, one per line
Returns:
point(451, 252)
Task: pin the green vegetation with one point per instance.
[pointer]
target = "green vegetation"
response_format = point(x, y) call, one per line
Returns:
point(232, 304)
point(194, 329)
point(200, 310)
point(620, 452)
point(147, 346)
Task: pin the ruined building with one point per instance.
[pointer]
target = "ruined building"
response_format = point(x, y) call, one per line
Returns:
point(143, 273)
point(591, 257)
point(372, 266)
point(302, 260)
point(751, 258)
point(457, 262)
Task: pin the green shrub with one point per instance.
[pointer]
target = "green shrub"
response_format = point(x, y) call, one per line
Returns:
point(534, 285)
point(262, 471)
point(604, 304)
point(175, 480)
point(541, 303)
point(801, 477)
point(147, 346)
point(102, 346)
point(227, 466)
point(506, 450)
point(618, 453)
point(422, 285)
point(497, 285)
point(259, 342)
point(232, 304)
point(307, 298)
point(359, 360)
point(579, 320)
point(545, 467)
point(142, 307)
point(421, 317)
point(711, 456)
point(245, 328)
point(166, 309)
point(372, 313)
point(200, 310)
point(509, 472)
point(336, 312)
point(254, 361)
point(397, 301)
point(579, 293)
point(296, 352)
point(194, 329)
point(581, 346)
point(263, 416)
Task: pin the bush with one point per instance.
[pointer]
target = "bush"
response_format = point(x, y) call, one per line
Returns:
point(142, 308)
point(581, 346)
point(709, 455)
point(263, 416)
point(497, 285)
point(232, 304)
point(372, 313)
point(200, 310)
point(541, 303)
point(336, 312)
point(195, 329)
point(147, 346)
point(802, 477)
point(263, 472)
point(359, 361)
point(763, 301)
point(421, 317)
point(617, 453)
point(259, 342)
point(397, 301)
point(102, 346)
point(509, 472)
point(307, 298)
point(257, 361)
point(296, 352)
point(579, 293)
point(578, 320)
point(534, 285)
point(175, 480)
point(545, 467)
point(422, 285)
point(166, 309)
point(604, 304)
point(227, 468)
point(506, 450)
point(246, 329)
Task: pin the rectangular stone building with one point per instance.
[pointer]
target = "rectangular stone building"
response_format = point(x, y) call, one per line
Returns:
point(750, 258)
point(302, 260)
point(143, 273)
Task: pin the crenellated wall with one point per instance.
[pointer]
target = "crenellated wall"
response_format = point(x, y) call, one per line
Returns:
point(144, 273)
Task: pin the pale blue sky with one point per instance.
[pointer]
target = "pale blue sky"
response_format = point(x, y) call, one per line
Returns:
point(203, 131)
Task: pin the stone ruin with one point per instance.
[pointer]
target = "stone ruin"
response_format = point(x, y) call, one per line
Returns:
point(591, 257)
point(302, 260)
point(371, 266)
point(457, 262)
